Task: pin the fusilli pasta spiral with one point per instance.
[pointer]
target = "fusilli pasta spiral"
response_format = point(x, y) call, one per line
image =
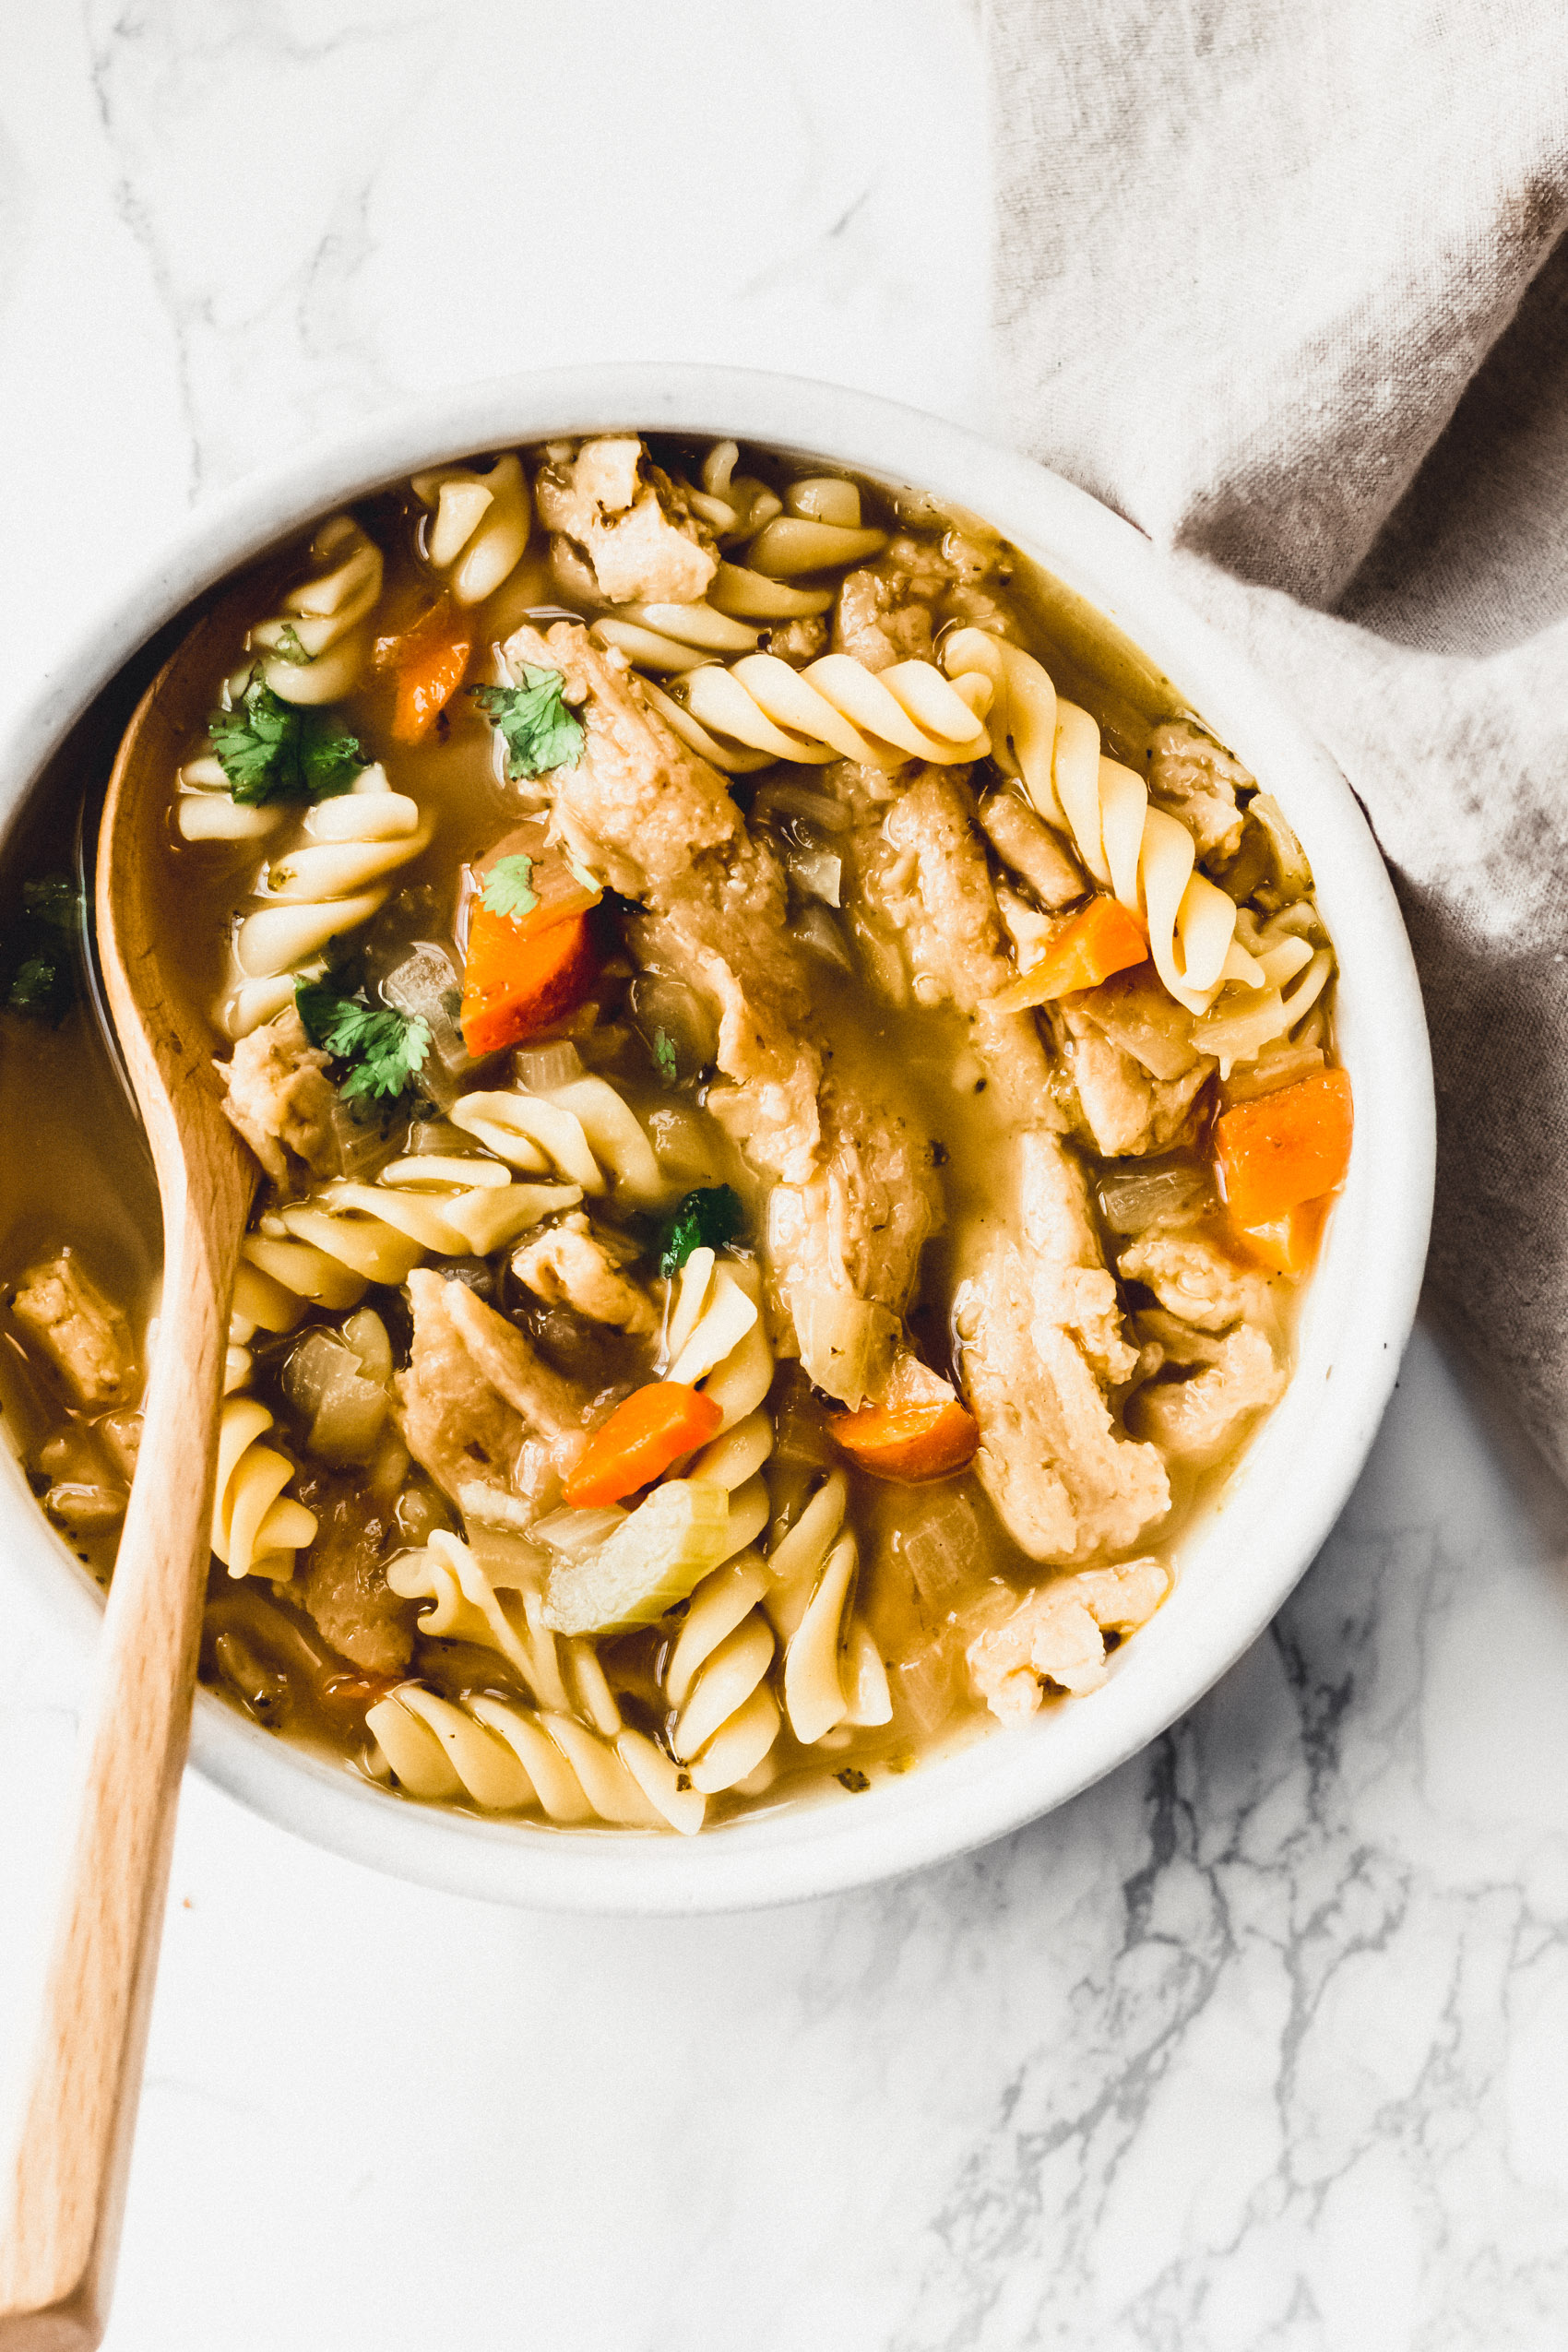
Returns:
point(833, 1673)
point(670, 638)
point(479, 526)
point(725, 1718)
point(570, 1755)
point(835, 709)
point(580, 1127)
point(506, 1758)
point(819, 530)
point(257, 1529)
point(310, 651)
point(1144, 856)
point(313, 647)
point(335, 877)
point(328, 1248)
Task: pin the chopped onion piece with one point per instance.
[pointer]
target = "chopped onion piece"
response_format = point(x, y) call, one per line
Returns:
point(326, 1379)
point(540, 1067)
point(426, 984)
point(817, 931)
point(1289, 858)
point(1133, 1203)
point(846, 1342)
point(943, 1549)
point(818, 872)
point(573, 1535)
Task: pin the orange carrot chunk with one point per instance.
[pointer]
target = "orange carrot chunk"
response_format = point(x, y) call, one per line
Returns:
point(1284, 1148)
point(1107, 937)
point(908, 1443)
point(521, 978)
point(430, 662)
point(654, 1427)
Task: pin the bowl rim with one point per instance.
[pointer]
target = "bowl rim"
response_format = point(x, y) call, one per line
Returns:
point(1298, 1470)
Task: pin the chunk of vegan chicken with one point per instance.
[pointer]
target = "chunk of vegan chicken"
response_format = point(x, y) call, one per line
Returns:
point(629, 522)
point(1041, 1345)
point(278, 1098)
point(1126, 1112)
point(1199, 1418)
point(1192, 1278)
point(1057, 1635)
point(571, 1265)
point(660, 823)
point(1194, 779)
point(84, 1337)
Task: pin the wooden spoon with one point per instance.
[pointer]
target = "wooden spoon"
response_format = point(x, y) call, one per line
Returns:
point(60, 2210)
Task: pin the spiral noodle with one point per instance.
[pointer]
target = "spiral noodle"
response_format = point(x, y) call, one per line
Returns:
point(670, 638)
point(833, 1673)
point(570, 1755)
point(315, 647)
point(1147, 858)
point(257, 1529)
point(328, 1249)
point(336, 876)
point(723, 1718)
point(506, 1758)
point(478, 525)
point(835, 709)
point(581, 1128)
point(312, 650)
point(734, 506)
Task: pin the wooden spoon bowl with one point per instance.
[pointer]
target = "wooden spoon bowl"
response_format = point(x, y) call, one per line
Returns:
point(59, 2217)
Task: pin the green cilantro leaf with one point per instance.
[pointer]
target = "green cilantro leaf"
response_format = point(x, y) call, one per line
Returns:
point(53, 900)
point(385, 1048)
point(38, 961)
point(704, 1220)
point(533, 720)
point(289, 648)
point(506, 888)
point(273, 750)
point(664, 1054)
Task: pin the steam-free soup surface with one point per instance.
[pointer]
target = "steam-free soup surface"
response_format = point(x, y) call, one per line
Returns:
point(794, 1099)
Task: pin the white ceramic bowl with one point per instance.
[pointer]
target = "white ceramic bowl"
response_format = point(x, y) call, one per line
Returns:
point(1242, 1561)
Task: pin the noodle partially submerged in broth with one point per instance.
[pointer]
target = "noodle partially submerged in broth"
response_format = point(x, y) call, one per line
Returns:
point(789, 1143)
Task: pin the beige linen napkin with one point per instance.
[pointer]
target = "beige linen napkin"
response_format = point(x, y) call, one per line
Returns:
point(1288, 286)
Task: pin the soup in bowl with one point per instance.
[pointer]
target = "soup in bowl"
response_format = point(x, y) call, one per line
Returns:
point(801, 1087)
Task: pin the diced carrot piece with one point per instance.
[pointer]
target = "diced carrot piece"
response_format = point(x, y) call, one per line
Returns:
point(1286, 1147)
point(431, 662)
point(653, 1428)
point(521, 978)
point(1105, 937)
point(908, 1443)
point(1287, 1244)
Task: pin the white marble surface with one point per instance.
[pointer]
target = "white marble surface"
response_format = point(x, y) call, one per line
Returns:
point(1262, 2043)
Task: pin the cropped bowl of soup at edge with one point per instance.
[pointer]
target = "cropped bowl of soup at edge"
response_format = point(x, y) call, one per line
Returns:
point(1240, 1557)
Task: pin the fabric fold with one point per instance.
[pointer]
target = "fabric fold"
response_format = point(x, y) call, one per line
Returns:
point(1289, 289)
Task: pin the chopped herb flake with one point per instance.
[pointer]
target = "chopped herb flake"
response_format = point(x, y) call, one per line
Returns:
point(507, 889)
point(855, 1782)
point(385, 1048)
point(704, 1220)
point(534, 722)
point(664, 1054)
point(38, 959)
point(273, 750)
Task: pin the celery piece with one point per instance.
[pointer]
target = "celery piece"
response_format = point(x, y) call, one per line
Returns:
point(664, 1549)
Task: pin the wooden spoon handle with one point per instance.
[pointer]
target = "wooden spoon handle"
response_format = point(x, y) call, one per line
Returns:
point(59, 2223)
